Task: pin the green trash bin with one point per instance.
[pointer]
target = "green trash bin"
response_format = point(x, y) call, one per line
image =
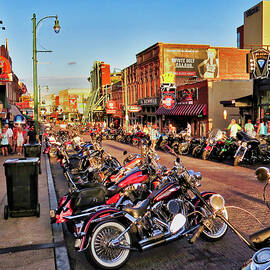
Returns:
point(22, 187)
point(32, 150)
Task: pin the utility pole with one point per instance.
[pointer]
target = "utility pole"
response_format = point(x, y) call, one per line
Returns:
point(126, 101)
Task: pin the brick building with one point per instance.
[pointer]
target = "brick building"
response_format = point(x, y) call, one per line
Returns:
point(210, 73)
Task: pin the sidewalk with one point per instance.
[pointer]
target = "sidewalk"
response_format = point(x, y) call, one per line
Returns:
point(29, 242)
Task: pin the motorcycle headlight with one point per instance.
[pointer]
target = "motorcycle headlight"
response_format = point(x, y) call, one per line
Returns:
point(211, 141)
point(261, 259)
point(217, 202)
point(244, 144)
point(238, 142)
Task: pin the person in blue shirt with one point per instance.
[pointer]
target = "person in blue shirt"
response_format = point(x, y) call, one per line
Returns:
point(262, 128)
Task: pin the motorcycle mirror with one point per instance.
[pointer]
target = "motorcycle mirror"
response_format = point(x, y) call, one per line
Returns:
point(178, 223)
point(217, 202)
point(262, 174)
point(125, 152)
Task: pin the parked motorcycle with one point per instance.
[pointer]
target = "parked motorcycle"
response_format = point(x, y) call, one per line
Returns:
point(261, 239)
point(248, 150)
point(214, 144)
point(109, 234)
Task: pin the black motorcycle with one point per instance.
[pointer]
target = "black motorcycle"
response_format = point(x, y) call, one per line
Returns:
point(248, 150)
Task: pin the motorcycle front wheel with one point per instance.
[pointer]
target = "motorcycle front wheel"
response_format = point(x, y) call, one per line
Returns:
point(101, 253)
point(205, 154)
point(183, 148)
point(219, 227)
point(236, 161)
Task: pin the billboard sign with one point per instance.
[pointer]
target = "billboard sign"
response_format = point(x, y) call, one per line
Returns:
point(72, 102)
point(199, 62)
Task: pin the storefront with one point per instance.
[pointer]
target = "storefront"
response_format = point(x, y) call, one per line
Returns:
point(191, 107)
point(148, 111)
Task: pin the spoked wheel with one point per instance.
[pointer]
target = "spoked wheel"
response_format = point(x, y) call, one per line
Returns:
point(196, 150)
point(183, 148)
point(205, 155)
point(219, 227)
point(105, 249)
point(175, 146)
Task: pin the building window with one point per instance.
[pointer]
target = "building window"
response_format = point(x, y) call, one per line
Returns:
point(238, 40)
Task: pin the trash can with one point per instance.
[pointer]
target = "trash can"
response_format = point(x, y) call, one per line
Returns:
point(32, 150)
point(22, 187)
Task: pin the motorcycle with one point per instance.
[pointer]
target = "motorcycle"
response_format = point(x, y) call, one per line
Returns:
point(228, 150)
point(260, 241)
point(109, 234)
point(214, 144)
point(248, 150)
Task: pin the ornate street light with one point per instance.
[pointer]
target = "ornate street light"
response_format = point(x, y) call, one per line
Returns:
point(56, 29)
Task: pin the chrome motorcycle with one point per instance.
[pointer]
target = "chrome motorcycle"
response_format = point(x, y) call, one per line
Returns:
point(110, 233)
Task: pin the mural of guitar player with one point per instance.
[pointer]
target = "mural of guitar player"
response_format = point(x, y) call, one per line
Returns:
point(209, 68)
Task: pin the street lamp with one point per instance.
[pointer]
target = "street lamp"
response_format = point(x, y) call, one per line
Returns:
point(56, 29)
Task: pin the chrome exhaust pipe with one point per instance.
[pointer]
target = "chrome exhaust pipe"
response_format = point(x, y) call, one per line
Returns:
point(168, 237)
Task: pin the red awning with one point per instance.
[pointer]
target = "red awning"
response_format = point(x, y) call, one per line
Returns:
point(194, 109)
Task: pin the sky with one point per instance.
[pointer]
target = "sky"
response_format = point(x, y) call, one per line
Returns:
point(110, 31)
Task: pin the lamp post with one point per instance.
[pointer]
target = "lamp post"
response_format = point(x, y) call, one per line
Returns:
point(35, 87)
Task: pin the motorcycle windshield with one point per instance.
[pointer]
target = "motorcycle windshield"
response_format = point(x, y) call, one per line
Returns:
point(216, 134)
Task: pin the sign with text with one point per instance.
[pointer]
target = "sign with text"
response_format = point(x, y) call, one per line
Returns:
point(72, 102)
point(5, 66)
point(199, 62)
point(168, 101)
point(134, 108)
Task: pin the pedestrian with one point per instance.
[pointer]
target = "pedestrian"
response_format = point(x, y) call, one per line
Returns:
point(249, 128)
point(10, 138)
point(233, 128)
point(20, 140)
point(14, 139)
point(188, 129)
point(154, 136)
point(262, 128)
point(32, 136)
point(4, 141)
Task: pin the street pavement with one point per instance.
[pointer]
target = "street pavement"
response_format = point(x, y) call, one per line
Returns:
point(240, 190)
point(30, 242)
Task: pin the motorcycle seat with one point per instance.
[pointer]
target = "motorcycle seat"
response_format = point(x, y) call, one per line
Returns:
point(138, 210)
point(260, 236)
point(246, 138)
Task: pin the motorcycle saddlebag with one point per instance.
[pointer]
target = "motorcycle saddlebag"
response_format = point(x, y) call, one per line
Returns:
point(89, 197)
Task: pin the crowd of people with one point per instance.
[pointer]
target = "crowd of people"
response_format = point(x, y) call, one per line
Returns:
point(262, 127)
point(13, 137)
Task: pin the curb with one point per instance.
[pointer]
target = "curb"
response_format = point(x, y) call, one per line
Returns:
point(60, 253)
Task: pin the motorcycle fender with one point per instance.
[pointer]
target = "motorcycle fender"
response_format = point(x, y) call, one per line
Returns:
point(205, 195)
point(208, 148)
point(90, 224)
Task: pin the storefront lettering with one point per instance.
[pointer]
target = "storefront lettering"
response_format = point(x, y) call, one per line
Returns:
point(183, 62)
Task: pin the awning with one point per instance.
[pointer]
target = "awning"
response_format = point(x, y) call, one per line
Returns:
point(246, 101)
point(14, 110)
point(179, 109)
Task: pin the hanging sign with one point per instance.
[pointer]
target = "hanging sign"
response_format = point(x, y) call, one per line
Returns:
point(134, 108)
point(111, 105)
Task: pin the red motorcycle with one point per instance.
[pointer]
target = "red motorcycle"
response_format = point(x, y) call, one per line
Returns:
point(109, 233)
point(84, 196)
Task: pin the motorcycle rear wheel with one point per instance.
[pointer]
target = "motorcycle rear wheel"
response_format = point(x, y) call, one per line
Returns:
point(196, 150)
point(100, 254)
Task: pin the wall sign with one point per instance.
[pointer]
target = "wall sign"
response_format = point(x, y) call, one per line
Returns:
point(168, 101)
point(134, 108)
point(259, 63)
